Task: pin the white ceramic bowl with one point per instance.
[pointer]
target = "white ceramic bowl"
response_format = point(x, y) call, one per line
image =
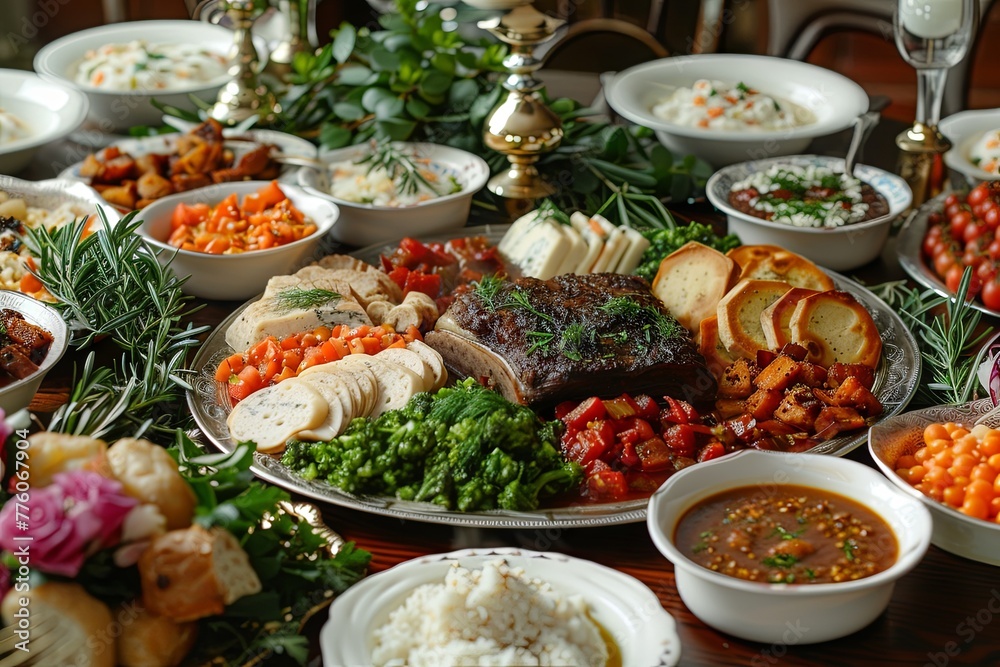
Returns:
point(287, 144)
point(782, 613)
point(120, 110)
point(903, 434)
point(964, 129)
point(630, 612)
point(366, 224)
point(50, 109)
point(835, 101)
point(838, 248)
point(238, 276)
point(18, 394)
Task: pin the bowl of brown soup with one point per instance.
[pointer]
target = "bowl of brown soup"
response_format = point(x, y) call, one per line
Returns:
point(790, 548)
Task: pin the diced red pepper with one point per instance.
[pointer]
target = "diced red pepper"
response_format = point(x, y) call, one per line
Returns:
point(633, 429)
point(418, 281)
point(654, 455)
point(595, 466)
point(608, 485)
point(678, 412)
point(742, 427)
point(712, 450)
point(680, 439)
point(592, 443)
point(628, 456)
point(564, 409)
point(648, 409)
point(590, 410)
point(621, 407)
point(399, 275)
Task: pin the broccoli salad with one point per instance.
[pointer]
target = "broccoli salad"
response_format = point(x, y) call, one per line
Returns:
point(138, 65)
point(716, 105)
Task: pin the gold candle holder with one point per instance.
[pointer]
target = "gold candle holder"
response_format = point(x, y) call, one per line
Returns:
point(922, 148)
point(243, 97)
point(521, 127)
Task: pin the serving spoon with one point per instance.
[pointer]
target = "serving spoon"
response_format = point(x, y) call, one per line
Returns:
point(863, 126)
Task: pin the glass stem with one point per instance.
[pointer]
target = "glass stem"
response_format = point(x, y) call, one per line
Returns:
point(930, 94)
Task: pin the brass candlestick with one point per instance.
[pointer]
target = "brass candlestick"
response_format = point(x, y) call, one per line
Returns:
point(921, 149)
point(243, 97)
point(521, 127)
point(301, 35)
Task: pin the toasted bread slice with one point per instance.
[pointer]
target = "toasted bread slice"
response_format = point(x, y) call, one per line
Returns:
point(775, 318)
point(739, 315)
point(692, 280)
point(834, 327)
point(717, 357)
point(771, 262)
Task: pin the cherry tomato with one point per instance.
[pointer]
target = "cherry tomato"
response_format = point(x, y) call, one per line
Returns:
point(952, 210)
point(972, 231)
point(930, 240)
point(992, 216)
point(942, 262)
point(960, 223)
point(991, 294)
point(986, 271)
point(951, 200)
point(954, 278)
point(978, 194)
point(994, 250)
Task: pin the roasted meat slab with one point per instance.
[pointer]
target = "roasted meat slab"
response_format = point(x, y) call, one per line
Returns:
point(542, 342)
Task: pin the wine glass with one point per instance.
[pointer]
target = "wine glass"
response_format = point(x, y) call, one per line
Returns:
point(933, 36)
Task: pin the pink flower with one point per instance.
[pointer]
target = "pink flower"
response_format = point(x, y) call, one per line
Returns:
point(79, 513)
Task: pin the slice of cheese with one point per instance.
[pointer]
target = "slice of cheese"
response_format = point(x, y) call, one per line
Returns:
point(270, 317)
point(633, 253)
point(539, 253)
point(593, 235)
point(576, 250)
point(271, 416)
point(518, 229)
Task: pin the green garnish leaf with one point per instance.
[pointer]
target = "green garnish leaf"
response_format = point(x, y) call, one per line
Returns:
point(849, 547)
point(782, 561)
point(300, 298)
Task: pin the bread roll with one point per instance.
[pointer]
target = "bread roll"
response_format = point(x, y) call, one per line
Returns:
point(149, 640)
point(53, 453)
point(193, 573)
point(84, 622)
point(739, 315)
point(834, 327)
point(769, 262)
point(150, 475)
point(776, 318)
point(692, 280)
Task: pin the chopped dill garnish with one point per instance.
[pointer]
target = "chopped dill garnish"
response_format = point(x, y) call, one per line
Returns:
point(540, 340)
point(627, 307)
point(785, 535)
point(574, 338)
point(849, 547)
point(488, 290)
point(519, 299)
point(301, 298)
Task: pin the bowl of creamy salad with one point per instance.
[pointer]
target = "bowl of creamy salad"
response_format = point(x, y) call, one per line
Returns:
point(975, 153)
point(808, 205)
point(728, 108)
point(33, 113)
point(122, 67)
point(388, 191)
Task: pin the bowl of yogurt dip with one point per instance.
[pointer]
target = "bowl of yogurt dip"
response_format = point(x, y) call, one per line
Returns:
point(123, 67)
point(729, 108)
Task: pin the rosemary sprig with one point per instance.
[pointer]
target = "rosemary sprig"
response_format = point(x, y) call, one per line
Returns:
point(946, 328)
point(399, 166)
point(488, 290)
point(300, 298)
point(110, 284)
point(519, 299)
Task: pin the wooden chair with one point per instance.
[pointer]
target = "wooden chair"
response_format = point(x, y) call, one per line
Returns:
point(796, 26)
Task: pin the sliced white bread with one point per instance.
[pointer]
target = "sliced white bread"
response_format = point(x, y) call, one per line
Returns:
point(739, 315)
point(433, 359)
point(776, 318)
point(274, 414)
point(396, 385)
point(341, 405)
point(360, 381)
point(411, 360)
point(769, 262)
point(717, 357)
point(834, 327)
point(692, 280)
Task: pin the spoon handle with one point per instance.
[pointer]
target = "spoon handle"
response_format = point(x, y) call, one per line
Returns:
point(863, 125)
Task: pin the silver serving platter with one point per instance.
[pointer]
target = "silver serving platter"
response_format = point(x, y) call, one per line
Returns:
point(895, 383)
point(909, 247)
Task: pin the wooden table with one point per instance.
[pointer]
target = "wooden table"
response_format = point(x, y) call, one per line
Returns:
point(945, 612)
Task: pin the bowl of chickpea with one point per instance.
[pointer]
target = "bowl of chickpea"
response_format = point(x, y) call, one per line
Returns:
point(948, 456)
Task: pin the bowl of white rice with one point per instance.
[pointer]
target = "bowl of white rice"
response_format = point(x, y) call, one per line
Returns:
point(428, 189)
point(834, 223)
point(499, 607)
